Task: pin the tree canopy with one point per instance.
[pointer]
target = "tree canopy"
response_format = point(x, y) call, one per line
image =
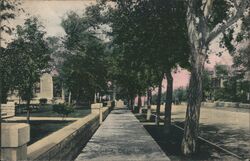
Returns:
point(83, 70)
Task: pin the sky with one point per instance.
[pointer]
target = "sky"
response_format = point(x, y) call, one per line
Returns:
point(51, 12)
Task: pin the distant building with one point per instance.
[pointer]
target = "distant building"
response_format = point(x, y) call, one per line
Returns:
point(45, 89)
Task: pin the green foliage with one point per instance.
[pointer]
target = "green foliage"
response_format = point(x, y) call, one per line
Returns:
point(180, 94)
point(5, 76)
point(234, 87)
point(83, 71)
point(245, 27)
point(242, 59)
point(140, 56)
point(56, 48)
point(132, 32)
point(57, 86)
point(113, 104)
point(220, 12)
point(8, 9)
point(219, 94)
point(63, 109)
point(232, 41)
point(206, 84)
point(221, 70)
point(28, 58)
point(226, 40)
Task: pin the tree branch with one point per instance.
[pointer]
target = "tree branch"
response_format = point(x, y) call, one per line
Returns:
point(239, 14)
point(207, 8)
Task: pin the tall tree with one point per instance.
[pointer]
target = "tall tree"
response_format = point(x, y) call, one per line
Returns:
point(84, 69)
point(8, 10)
point(205, 21)
point(30, 56)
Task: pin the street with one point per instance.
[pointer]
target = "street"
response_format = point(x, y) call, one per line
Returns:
point(228, 129)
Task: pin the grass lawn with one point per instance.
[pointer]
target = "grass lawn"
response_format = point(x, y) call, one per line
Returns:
point(47, 111)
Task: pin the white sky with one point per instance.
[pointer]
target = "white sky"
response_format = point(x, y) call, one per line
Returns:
point(49, 13)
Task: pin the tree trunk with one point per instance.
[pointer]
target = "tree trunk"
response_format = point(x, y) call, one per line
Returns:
point(0, 106)
point(19, 100)
point(158, 107)
point(128, 103)
point(0, 102)
point(235, 99)
point(132, 104)
point(69, 98)
point(28, 111)
point(100, 98)
point(168, 105)
point(95, 97)
point(191, 129)
point(139, 103)
point(114, 92)
point(197, 33)
point(149, 100)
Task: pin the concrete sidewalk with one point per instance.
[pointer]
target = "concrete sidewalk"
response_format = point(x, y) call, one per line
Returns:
point(121, 137)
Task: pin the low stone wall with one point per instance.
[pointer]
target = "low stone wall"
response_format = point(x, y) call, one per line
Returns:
point(226, 104)
point(14, 139)
point(244, 105)
point(105, 112)
point(8, 110)
point(66, 143)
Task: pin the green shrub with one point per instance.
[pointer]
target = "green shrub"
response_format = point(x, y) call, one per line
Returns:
point(63, 109)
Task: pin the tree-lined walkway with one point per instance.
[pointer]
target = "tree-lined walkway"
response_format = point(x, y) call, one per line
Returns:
point(121, 137)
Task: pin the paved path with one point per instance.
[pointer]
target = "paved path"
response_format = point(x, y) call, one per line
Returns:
point(121, 137)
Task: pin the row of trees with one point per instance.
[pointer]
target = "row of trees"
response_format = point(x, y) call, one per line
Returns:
point(222, 83)
point(79, 57)
point(131, 45)
point(151, 38)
